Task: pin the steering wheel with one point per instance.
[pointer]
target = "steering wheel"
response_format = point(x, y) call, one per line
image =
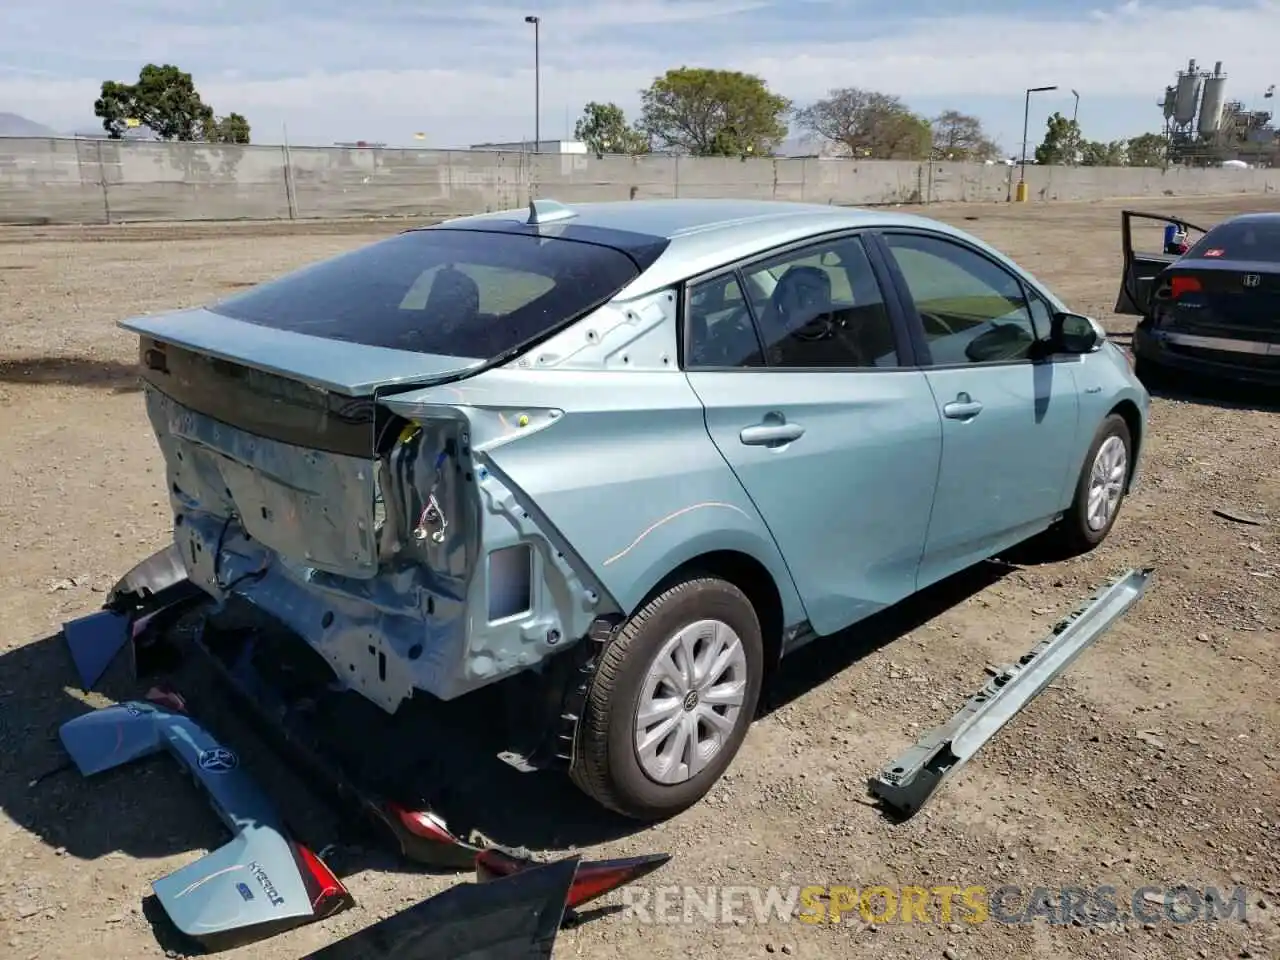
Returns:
point(821, 327)
point(926, 318)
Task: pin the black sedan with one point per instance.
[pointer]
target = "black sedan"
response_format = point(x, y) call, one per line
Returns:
point(1210, 307)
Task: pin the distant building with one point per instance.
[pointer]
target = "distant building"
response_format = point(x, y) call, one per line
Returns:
point(358, 143)
point(527, 146)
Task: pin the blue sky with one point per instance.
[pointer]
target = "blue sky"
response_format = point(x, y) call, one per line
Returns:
point(462, 73)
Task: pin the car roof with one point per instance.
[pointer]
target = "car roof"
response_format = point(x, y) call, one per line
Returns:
point(670, 219)
point(704, 234)
point(1263, 216)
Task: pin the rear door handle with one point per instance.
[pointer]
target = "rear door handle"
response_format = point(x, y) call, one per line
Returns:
point(769, 434)
point(962, 408)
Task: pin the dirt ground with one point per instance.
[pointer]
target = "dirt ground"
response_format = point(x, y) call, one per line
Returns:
point(1153, 761)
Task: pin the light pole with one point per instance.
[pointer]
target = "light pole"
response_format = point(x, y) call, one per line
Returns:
point(1075, 130)
point(1026, 117)
point(537, 80)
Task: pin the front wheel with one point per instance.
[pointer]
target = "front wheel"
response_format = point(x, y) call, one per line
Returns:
point(672, 699)
point(1100, 490)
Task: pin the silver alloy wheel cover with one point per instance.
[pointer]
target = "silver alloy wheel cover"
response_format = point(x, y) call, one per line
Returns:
point(690, 703)
point(1106, 483)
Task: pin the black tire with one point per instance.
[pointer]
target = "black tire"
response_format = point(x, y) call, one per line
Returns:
point(605, 766)
point(1072, 536)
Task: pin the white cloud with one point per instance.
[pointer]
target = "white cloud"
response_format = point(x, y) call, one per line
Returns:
point(394, 71)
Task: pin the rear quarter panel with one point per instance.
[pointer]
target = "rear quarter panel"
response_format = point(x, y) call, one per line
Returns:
point(620, 463)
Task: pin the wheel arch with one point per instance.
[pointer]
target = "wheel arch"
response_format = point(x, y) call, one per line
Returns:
point(750, 575)
point(1128, 411)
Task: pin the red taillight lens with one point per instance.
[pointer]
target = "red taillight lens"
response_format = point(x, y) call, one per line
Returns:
point(593, 878)
point(327, 893)
point(1180, 285)
point(423, 824)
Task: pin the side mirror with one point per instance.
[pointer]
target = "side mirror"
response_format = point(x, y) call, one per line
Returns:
point(1075, 333)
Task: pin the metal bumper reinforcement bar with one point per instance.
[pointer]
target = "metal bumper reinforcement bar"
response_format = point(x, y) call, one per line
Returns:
point(907, 783)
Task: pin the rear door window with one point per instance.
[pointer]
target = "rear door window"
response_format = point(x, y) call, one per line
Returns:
point(457, 293)
point(824, 309)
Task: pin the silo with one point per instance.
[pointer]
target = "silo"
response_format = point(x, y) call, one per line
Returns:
point(1170, 96)
point(1211, 102)
point(1184, 107)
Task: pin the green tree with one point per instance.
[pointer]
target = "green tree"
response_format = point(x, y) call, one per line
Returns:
point(1061, 143)
point(603, 128)
point(865, 123)
point(115, 106)
point(166, 102)
point(1095, 153)
point(709, 113)
point(233, 128)
point(1148, 150)
point(958, 136)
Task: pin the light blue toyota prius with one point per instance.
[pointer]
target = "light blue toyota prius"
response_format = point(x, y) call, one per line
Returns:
point(624, 457)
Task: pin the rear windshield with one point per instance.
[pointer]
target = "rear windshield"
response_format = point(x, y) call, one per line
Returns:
point(1257, 240)
point(458, 293)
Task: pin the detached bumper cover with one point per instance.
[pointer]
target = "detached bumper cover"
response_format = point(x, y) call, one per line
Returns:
point(517, 918)
point(513, 912)
point(261, 882)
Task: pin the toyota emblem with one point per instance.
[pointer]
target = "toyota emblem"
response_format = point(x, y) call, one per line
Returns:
point(1251, 280)
point(218, 760)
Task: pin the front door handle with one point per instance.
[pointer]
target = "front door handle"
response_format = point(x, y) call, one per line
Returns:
point(963, 407)
point(770, 434)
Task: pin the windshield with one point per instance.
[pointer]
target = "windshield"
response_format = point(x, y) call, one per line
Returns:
point(1255, 240)
point(457, 293)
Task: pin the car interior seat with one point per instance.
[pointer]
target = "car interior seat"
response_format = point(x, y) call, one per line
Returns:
point(803, 295)
point(454, 297)
point(798, 320)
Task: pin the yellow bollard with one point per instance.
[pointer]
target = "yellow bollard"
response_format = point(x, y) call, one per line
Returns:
point(1020, 192)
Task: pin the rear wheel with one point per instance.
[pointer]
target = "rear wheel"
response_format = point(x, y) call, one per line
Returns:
point(672, 699)
point(1100, 490)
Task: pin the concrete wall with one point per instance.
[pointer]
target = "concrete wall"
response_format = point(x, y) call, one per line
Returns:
point(103, 181)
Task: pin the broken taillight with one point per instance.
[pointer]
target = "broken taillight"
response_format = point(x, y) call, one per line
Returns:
point(324, 889)
point(423, 824)
point(594, 878)
point(1180, 285)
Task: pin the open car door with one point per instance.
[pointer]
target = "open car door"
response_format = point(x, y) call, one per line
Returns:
point(1142, 267)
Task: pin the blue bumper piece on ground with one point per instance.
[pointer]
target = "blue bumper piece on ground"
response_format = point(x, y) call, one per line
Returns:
point(261, 882)
point(94, 642)
point(146, 596)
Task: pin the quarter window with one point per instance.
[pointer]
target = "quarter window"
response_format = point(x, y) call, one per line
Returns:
point(973, 310)
point(822, 307)
point(718, 326)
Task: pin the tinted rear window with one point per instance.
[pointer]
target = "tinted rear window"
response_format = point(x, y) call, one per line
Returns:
point(1257, 240)
point(458, 293)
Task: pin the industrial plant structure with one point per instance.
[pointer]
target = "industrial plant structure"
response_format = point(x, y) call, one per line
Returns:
point(1204, 128)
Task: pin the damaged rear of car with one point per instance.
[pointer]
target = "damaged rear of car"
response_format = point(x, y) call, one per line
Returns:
point(370, 528)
